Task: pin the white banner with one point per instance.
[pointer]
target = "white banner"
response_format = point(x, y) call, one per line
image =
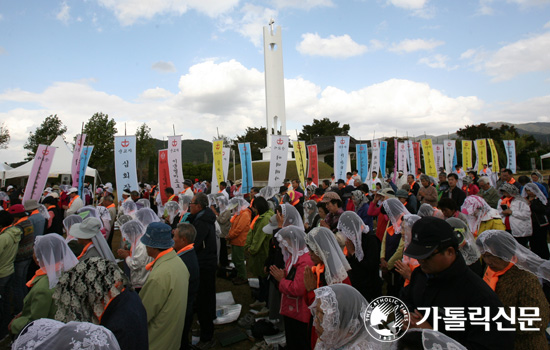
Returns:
point(410, 155)
point(226, 153)
point(402, 158)
point(510, 147)
point(174, 163)
point(125, 165)
point(449, 153)
point(375, 163)
point(75, 165)
point(278, 163)
point(341, 152)
point(438, 155)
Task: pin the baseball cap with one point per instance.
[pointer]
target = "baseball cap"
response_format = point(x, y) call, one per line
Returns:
point(72, 189)
point(387, 192)
point(16, 209)
point(428, 234)
point(401, 193)
point(330, 195)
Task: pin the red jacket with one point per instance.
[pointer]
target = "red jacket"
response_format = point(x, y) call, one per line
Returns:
point(294, 293)
point(381, 222)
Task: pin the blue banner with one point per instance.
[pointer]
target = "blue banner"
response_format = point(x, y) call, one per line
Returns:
point(362, 161)
point(84, 159)
point(383, 152)
point(246, 167)
point(454, 161)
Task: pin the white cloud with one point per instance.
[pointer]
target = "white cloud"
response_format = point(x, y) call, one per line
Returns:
point(408, 4)
point(523, 56)
point(1, 16)
point(156, 94)
point(436, 61)
point(547, 25)
point(334, 46)
point(303, 4)
point(2, 51)
point(130, 11)
point(411, 45)
point(163, 66)
point(251, 22)
point(485, 8)
point(63, 15)
point(528, 3)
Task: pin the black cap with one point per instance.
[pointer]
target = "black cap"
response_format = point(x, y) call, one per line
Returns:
point(428, 234)
point(283, 189)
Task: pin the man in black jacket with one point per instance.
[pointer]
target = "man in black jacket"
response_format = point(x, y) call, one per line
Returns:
point(454, 192)
point(444, 280)
point(203, 219)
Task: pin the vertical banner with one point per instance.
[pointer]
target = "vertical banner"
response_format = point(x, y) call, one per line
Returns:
point(375, 160)
point(75, 165)
point(429, 159)
point(383, 154)
point(438, 154)
point(417, 162)
point(449, 146)
point(174, 163)
point(467, 154)
point(313, 169)
point(226, 154)
point(41, 165)
point(301, 160)
point(341, 151)
point(125, 164)
point(395, 159)
point(278, 162)
point(84, 159)
point(164, 174)
point(510, 147)
point(246, 167)
point(217, 149)
point(494, 156)
point(410, 156)
point(402, 156)
point(362, 160)
point(481, 153)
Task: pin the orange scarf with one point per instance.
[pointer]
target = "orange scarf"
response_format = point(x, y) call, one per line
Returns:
point(34, 212)
point(72, 200)
point(39, 272)
point(506, 201)
point(171, 197)
point(318, 270)
point(390, 230)
point(186, 248)
point(491, 277)
point(86, 247)
point(346, 251)
point(149, 266)
point(254, 221)
point(512, 181)
point(233, 218)
point(111, 206)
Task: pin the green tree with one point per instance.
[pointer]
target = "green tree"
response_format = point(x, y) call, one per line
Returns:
point(323, 127)
point(100, 132)
point(145, 150)
point(257, 138)
point(45, 134)
point(4, 136)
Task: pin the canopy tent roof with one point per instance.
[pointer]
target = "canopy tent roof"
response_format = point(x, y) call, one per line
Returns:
point(4, 167)
point(61, 164)
point(544, 156)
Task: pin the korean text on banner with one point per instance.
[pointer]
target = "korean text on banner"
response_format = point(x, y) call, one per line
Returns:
point(402, 158)
point(494, 156)
point(174, 163)
point(510, 147)
point(410, 156)
point(313, 169)
point(449, 146)
point(395, 157)
point(341, 151)
point(246, 167)
point(375, 163)
point(217, 149)
point(301, 160)
point(438, 155)
point(417, 162)
point(481, 153)
point(226, 152)
point(164, 175)
point(125, 165)
point(383, 154)
point(429, 159)
point(75, 165)
point(41, 165)
point(278, 163)
point(467, 154)
point(362, 161)
point(85, 156)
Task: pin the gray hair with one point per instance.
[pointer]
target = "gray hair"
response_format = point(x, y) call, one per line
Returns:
point(425, 177)
point(202, 200)
point(186, 231)
point(483, 179)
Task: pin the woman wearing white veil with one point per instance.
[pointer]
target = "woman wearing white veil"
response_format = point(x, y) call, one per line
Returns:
point(128, 208)
point(136, 258)
point(480, 216)
point(53, 256)
point(539, 220)
point(362, 251)
point(172, 211)
point(512, 272)
point(146, 216)
point(426, 339)
point(516, 214)
point(311, 215)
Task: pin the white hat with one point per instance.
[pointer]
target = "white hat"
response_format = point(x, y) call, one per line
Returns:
point(10, 187)
point(72, 189)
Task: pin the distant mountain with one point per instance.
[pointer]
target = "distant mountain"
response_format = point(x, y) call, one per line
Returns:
point(193, 151)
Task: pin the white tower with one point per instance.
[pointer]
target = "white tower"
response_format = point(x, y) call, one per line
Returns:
point(274, 85)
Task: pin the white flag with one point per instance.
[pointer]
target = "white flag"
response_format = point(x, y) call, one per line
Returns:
point(278, 163)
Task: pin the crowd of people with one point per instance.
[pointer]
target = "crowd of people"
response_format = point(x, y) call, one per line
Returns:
point(320, 253)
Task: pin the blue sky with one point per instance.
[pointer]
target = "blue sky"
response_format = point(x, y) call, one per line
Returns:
point(386, 66)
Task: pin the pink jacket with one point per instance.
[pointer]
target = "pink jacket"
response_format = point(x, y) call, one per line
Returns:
point(294, 294)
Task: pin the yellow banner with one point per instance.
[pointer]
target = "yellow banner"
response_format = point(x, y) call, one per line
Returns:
point(429, 159)
point(217, 148)
point(301, 160)
point(481, 153)
point(467, 154)
point(494, 156)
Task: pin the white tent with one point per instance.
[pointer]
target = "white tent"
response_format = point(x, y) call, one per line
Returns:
point(3, 168)
point(61, 164)
point(544, 156)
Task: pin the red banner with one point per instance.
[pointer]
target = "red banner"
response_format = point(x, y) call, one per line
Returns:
point(416, 148)
point(164, 174)
point(313, 169)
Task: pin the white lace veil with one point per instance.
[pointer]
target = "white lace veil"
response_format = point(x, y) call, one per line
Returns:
point(173, 209)
point(47, 334)
point(184, 203)
point(503, 245)
point(129, 208)
point(211, 199)
point(238, 204)
point(310, 211)
point(406, 232)
point(122, 219)
point(54, 256)
point(102, 246)
point(430, 340)
point(536, 190)
point(70, 221)
point(223, 202)
point(292, 240)
point(467, 243)
point(359, 199)
point(89, 212)
point(352, 227)
point(343, 313)
point(145, 203)
point(477, 210)
point(132, 232)
point(291, 215)
point(395, 210)
point(323, 243)
point(43, 211)
point(268, 192)
point(146, 216)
